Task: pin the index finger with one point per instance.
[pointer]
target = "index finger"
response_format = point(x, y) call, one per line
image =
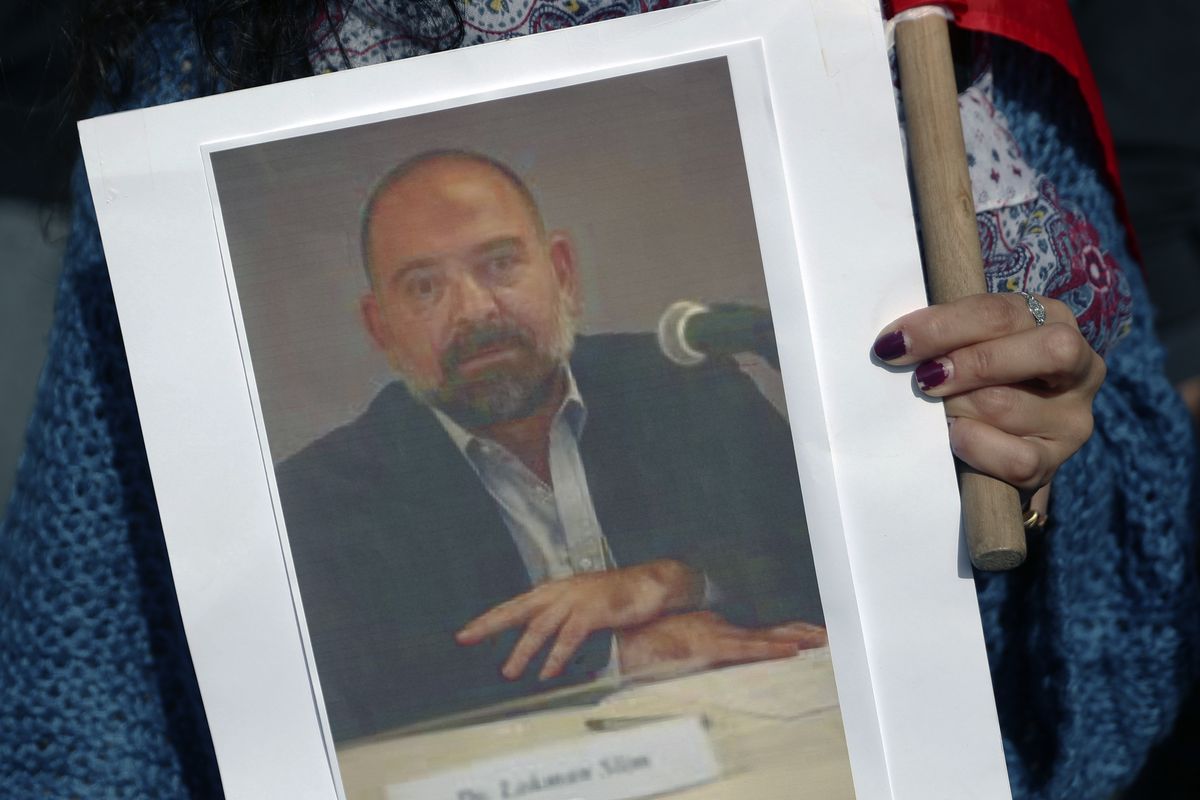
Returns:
point(939, 329)
point(742, 649)
point(804, 634)
point(508, 614)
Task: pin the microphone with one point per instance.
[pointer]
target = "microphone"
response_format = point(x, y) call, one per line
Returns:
point(689, 332)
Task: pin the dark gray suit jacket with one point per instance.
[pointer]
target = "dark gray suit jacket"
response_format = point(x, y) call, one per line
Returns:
point(397, 544)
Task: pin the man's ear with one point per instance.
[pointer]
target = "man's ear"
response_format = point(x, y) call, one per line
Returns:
point(566, 268)
point(373, 320)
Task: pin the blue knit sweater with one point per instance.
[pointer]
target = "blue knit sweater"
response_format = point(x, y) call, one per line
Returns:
point(1092, 643)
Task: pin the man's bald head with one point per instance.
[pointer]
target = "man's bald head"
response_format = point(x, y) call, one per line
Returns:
point(472, 300)
point(432, 160)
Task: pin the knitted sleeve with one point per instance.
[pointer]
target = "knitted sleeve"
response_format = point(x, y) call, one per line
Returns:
point(1092, 643)
point(98, 697)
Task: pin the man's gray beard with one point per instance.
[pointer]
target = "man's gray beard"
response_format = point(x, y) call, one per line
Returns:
point(509, 395)
point(504, 398)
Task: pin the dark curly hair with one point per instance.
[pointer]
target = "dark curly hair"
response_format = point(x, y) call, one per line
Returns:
point(246, 42)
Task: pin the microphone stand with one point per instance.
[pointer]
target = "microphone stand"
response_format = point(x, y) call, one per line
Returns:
point(991, 508)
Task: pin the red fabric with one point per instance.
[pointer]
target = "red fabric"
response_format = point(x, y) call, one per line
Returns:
point(1048, 27)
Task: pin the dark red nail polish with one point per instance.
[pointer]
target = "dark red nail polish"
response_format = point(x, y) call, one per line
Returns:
point(890, 346)
point(931, 374)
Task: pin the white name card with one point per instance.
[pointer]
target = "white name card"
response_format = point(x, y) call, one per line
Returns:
point(635, 762)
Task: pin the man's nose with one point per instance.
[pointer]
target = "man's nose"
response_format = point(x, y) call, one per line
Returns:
point(475, 301)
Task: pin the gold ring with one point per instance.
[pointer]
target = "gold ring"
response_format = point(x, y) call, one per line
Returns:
point(1035, 521)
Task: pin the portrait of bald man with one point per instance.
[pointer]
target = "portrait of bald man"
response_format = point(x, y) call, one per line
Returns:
point(526, 507)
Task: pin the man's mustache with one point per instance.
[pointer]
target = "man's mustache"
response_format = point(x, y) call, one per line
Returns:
point(481, 339)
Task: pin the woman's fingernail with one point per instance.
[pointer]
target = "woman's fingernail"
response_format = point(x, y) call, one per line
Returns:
point(932, 373)
point(891, 346)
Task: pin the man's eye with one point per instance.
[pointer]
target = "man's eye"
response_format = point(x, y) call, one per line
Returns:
point(422, 288)
point(501, 265)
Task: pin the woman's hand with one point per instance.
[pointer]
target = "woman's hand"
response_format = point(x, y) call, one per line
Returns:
point(1019, 396)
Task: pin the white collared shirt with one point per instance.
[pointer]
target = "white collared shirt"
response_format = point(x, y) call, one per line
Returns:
point(554, 527)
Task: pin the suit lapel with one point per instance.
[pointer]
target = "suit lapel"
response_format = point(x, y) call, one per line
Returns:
point(476, 563)
point(617, 446)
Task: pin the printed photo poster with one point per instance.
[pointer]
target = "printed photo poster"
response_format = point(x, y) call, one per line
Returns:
point(524, 419)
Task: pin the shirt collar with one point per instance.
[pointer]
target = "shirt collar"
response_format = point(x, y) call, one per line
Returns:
point(572, 410)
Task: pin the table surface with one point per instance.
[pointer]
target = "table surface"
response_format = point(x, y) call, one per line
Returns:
point(775, 727)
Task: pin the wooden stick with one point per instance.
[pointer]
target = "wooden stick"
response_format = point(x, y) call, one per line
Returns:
point(991, 508)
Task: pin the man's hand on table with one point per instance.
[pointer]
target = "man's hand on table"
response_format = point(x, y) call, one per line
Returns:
point(570, 609)
point(701, 639)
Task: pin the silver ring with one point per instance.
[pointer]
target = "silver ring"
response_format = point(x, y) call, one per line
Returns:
point(1035, 307)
